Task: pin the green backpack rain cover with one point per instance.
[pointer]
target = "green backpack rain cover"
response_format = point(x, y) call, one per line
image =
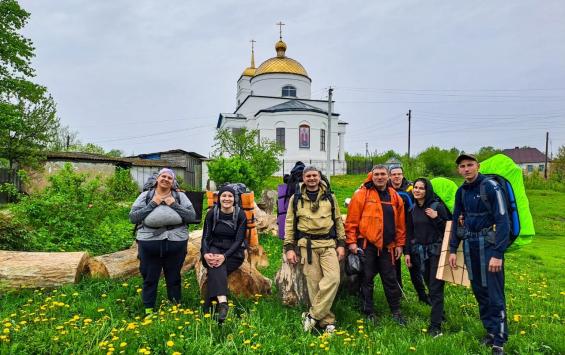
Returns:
point(502, 165)
point(446, 190)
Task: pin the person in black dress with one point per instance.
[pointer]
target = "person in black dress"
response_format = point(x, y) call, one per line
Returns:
point(223, 246)
point(425, 229)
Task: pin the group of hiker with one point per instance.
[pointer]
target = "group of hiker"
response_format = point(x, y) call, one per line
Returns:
point(388, 218)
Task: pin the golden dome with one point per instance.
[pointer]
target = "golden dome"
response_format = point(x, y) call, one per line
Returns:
point(249, 72)
point(281, 63)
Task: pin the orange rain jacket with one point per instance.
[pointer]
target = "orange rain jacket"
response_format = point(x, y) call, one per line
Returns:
point(365, 217)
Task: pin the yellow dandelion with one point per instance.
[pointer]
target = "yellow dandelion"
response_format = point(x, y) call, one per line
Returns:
point(103, 295)
point(247, 342)
point(176, 353)
point(347, 339)
point(100, 310)
point(412, 348)
point(201, 301)
point(170, 343)
point(522, 332)
point(123, 344)
point(517, 318)
point(207, 315)
point(6, 331)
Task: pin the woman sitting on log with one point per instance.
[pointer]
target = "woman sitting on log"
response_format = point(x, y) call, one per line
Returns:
point(223, 246)
point(162, 215)
point(426, 225)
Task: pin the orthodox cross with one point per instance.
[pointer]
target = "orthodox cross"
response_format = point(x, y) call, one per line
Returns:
point(280, 24)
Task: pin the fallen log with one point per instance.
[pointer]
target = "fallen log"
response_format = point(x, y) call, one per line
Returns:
point(126, 264)
point(40, 269)
point(245, 281)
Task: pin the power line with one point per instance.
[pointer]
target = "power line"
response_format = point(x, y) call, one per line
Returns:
point(152, 134)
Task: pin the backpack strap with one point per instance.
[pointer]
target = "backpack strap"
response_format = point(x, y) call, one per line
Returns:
point(297, 196)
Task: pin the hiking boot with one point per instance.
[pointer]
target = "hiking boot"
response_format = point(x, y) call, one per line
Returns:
point(488, 340)
point(222, 309)
point(398, 318)
point(308, 323)
point(497, 350)
point(434, 332)
point(425, 299)
point(329, 329)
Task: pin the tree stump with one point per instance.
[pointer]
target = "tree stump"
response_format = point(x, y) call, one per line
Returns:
point(291, 283)
point(269, 201)
point(245, 281)
point(40, 269)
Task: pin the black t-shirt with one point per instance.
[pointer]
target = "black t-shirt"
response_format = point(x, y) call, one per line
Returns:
point(225, 236)
point(389, 226)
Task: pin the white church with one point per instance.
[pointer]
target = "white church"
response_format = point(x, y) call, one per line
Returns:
point(274, 98)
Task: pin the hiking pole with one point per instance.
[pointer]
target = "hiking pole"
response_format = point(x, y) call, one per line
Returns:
point(402, 291)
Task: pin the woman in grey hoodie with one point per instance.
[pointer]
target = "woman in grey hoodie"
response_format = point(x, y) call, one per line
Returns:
point(162, 237)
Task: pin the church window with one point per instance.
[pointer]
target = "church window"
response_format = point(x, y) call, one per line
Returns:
point(304, 136)
point(323, 140)
point(280, 137)
point(289, 91)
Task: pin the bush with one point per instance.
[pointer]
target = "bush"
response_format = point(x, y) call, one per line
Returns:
point(13, 235)
point(121, 187)
point(73, 214)
point(535, 181)
point(234, 169)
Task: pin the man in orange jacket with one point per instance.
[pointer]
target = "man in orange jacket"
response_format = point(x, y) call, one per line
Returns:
point(375, 223)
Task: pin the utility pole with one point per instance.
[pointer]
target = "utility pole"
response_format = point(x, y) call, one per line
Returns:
point(545, 166)
point(329, 146)
point(409, 114)
point(68, 142)
point(366, 155)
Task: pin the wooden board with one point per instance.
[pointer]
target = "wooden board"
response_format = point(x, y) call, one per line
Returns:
point(457, 276)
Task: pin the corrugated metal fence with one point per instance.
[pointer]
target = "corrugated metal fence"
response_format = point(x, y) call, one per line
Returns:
point(9, 176)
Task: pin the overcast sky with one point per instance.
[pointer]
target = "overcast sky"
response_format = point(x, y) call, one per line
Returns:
point(145, 76)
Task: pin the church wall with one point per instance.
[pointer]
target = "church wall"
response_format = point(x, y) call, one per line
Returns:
point(243, 89)
point(291, 121)
point(272, 84)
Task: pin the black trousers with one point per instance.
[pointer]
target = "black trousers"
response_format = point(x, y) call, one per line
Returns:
point(415, 277)
point(435, 286)
point(379, 262)
point(218, 276)
point(160, 255)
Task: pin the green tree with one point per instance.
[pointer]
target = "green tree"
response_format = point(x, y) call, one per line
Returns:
point(439, 162)
point(253, 160)
point(557, 165)
point(486, 152)
point(27, 112)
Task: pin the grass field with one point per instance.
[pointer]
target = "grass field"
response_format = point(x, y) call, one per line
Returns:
point(101, 316)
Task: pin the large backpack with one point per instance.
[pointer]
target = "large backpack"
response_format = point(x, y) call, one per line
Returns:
point(509, 201)
point(290, 183)
point(243, 200)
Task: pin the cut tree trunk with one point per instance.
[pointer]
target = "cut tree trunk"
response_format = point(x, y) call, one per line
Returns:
point(40, 269)
point(120, 264)
point(291, 283)
point(245, 281)
point(125, 263)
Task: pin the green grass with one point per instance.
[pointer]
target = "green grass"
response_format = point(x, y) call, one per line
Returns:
point(89, 316)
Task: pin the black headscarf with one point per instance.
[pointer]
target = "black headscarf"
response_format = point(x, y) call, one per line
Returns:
point(430, 194)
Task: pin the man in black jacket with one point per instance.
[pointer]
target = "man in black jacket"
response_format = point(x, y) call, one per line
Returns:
point(485, 233)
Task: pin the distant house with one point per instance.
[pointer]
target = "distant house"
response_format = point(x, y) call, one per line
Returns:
point(195, 171)
point(529, 159)
point(98, 165)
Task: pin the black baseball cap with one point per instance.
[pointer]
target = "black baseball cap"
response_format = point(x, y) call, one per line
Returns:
point(464, 156)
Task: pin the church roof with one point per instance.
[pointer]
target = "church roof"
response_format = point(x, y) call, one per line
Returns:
point(233, 116)
point(294, 105)
point(281, 63)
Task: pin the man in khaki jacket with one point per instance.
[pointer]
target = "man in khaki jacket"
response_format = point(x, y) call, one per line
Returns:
point(314, 223)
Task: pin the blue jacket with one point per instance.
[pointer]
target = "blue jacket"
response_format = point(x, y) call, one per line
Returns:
point(474, 204)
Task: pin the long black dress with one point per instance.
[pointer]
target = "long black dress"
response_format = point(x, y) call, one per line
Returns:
point(223, 233)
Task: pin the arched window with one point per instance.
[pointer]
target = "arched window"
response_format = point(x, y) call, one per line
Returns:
point(289, 91)
point(304, 136)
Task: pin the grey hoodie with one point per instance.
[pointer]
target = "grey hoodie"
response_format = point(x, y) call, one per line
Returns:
point(153, 216)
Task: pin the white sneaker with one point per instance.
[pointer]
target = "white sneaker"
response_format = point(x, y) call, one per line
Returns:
point(308, 322)
point(330, 329)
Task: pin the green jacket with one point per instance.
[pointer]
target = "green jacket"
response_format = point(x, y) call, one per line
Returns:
point(317, 222)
